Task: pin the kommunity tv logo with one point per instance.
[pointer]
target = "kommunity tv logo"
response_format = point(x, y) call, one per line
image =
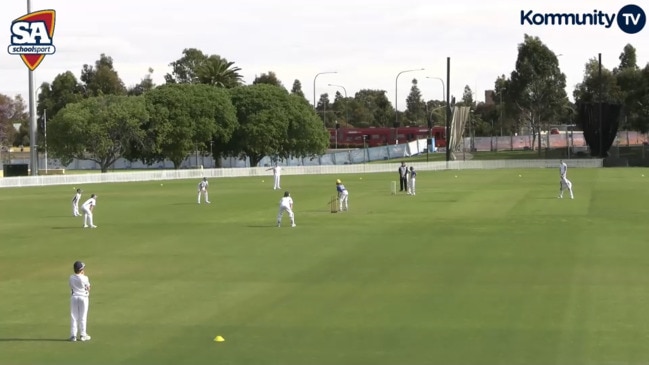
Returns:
point(631, 19)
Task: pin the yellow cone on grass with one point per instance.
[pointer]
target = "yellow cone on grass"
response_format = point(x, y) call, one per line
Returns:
point(219, 339)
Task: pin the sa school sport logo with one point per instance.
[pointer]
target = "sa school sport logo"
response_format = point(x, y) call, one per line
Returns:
point(631, 19)
point(31, 37)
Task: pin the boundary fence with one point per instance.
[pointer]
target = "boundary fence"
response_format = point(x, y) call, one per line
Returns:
point(155, 175)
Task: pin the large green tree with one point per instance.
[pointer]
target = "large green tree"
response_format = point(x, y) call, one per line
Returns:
point(305, 136)
point(274, 123)
point(64, 89)
point(593, 89)
point(99, 129)
point(537, 86)
point(185, 118)
point(263, 122)
point(373, 108)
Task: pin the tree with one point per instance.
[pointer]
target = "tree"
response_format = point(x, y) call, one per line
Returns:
point(628, 59)
point(146, 84)
point(537, 85)
point(306, 137)
point(184, 69)
point(436, 112)
point(325, 111)
point(467, 97)
point(64, 89)
point(264, 114)
point(185, 118)
point(297, 89)
point(102, 79)
point(99, 129)
point(270, 78)
point(588, 91)
point(217, 71)
point(373, 108)
point(20, 117)
point(416, 108)
point(340, 108)
point(12, 111)
point(196, 67)
point(629, 80)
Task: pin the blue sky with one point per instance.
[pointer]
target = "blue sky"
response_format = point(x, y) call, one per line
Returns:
point(367, 42)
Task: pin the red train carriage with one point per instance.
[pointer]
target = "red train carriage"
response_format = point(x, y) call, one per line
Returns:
point(353, 137)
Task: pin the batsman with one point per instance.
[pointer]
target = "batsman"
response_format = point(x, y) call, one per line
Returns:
point(343, 196)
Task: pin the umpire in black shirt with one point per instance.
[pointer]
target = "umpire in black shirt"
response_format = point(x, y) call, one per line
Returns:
point(403, 177)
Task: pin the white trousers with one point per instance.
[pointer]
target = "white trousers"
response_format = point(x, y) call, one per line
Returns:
point(75, 209)
point(87, 218)
point(565, 184)
point(343, 200)
point(203, 192)
point(280, 214)
point(276, 185)
point(412, 186)
point(78, 315)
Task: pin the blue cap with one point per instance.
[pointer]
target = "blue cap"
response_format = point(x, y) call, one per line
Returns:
point(78, 266)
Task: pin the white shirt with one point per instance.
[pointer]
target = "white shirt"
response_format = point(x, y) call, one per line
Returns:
point(286, 201)
point(76, 198)
point(277, 170)
point(79, 285)
point(89, 203)
point(203, 185)
point(563, 170)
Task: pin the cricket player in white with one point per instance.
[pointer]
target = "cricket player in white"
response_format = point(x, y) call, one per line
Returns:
point(202, 190)
point(286, 205)
point(277, 170)
point(75, 203)
point(80, 291)
point(87, 207)
point(564, 182)
point(343, 195)
point(411, 185)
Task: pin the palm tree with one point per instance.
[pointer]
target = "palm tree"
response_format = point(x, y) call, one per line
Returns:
point(219, 72)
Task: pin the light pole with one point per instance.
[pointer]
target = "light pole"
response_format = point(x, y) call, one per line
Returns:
point(443, 87)
point(345, 91)
point(396, 100)
point(33, 153)
point(315, 102)
point(45, 135)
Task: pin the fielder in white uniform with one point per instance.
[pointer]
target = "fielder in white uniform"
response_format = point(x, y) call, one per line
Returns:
point(80, 291)
point(564, 183)
point(277, 170)
point(343, 195)
point(202, 190)
point(411, 185)
point(286, 205)
point(88, 207)
point(75, 203)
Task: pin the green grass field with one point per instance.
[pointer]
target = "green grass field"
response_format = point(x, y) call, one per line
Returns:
point(483, 268)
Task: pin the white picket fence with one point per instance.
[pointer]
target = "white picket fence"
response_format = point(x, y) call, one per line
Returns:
point(113, 177)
